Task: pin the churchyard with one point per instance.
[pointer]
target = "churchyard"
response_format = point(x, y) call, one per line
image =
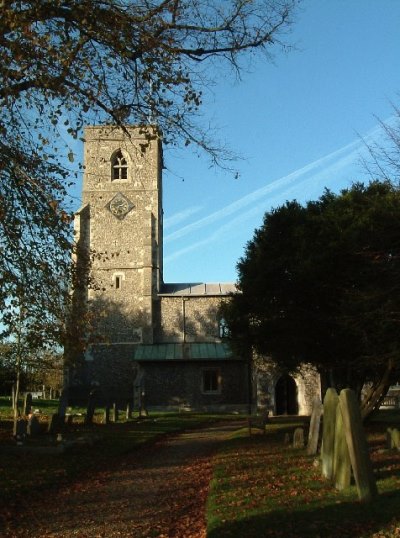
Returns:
point(262, 484)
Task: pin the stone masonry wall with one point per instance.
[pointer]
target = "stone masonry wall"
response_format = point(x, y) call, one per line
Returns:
point(189, 319)
point(126, 264)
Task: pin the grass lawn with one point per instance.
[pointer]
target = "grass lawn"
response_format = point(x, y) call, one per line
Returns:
point(262, 488)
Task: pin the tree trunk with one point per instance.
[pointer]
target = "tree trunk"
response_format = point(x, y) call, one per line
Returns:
point(378, 391)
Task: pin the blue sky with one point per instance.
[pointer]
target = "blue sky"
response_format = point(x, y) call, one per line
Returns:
point(297, 124)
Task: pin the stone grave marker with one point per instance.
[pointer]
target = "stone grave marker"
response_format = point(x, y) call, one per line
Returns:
point(341, 458)
point(331, 402)
point(315, 424)
point(298, 438)
point(357, 445)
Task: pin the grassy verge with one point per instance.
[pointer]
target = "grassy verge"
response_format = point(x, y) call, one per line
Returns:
point(263, 489)
point(23, 472)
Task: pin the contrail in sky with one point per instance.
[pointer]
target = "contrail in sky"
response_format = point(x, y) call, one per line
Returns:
point(308, 176)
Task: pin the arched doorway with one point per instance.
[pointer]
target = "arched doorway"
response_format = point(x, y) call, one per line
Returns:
point(286, 396)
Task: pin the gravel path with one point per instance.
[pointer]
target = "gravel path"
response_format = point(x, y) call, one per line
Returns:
point(158, 492)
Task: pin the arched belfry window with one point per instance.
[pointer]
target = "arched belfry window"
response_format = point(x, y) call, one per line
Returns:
point(119, 166)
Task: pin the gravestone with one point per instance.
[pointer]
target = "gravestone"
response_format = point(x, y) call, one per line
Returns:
point(33, 427)
point(27, 403)
point(315, 424)
point(298, 438)
point(331, 402)
point(341, 458)
point(357, 445)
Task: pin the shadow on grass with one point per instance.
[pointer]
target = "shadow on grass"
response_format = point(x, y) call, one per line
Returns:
point(341, 519)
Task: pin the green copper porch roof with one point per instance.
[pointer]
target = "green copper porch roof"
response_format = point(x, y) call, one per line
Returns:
point(192, 351)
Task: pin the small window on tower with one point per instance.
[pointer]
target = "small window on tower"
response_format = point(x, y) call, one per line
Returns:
point(118, 282)
point(119, 166)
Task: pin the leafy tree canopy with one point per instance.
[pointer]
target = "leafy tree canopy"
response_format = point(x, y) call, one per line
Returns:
point(64, 63)
point(320, 283)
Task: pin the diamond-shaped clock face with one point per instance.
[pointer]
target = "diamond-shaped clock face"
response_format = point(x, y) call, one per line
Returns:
point(120, 206)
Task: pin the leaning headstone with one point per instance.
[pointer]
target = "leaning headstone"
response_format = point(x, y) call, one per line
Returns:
point(27, 403)
point(298, 438)
point(341, 458)
point(315, 423)
point(331, 402)
point(33, 427)
point(357, 445)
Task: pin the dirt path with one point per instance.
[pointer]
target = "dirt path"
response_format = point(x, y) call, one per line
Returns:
point(158, 492)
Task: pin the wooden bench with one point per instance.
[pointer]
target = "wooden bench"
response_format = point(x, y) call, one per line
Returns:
point(258, 421)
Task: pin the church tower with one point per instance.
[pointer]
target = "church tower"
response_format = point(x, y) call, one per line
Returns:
point(120, 224)
point(147, 341)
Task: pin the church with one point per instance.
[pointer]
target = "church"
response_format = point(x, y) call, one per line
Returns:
point(159, 344)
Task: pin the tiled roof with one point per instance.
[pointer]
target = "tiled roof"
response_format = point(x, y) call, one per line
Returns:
point(198, 289)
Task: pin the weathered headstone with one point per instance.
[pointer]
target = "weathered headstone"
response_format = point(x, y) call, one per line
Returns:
point(33, 427)
point(357, 445)
point(331, 402)
point(341, 458)
point(298, 438)
point(315, 423)
point(27, 403)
